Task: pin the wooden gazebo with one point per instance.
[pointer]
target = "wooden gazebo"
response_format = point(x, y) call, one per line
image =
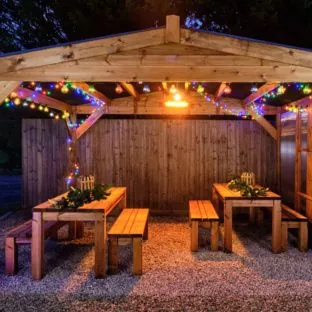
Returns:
point(163, 160)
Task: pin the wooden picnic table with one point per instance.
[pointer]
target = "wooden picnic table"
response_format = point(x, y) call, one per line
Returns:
point(230, 199)
point(95, 211)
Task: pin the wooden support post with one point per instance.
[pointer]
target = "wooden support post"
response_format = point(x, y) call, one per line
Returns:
point(298, 162)
point(100, 244)
point(252, 214)
point(11, 256)
point(37, 246)
point(309, 165)
point(276, 226)
point(137, 256)
point(278, 150)
point(194, 236)
point(172, 29)
point(303, 236)
point(113, 255)
point(214, 235)
point(228, 214)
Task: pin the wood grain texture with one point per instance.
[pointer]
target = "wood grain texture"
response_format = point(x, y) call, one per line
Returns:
point(163, 163)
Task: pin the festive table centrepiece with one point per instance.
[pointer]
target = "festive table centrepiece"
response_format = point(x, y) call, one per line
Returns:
point(238, 185)
point(249, 178)
point(77, 197)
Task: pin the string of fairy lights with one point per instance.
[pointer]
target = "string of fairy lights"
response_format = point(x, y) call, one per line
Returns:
point(254, 109)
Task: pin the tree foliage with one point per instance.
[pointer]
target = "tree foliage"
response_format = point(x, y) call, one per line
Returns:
point(35, 23)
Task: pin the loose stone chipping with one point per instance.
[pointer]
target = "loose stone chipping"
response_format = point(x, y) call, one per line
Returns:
point(174, 279)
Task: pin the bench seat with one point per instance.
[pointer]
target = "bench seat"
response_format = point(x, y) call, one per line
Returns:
point(202, 212)
point(292, 219)
point(21, 235)
point(131, 224)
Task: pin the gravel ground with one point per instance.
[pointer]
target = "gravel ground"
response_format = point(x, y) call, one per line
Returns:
point(174, 279)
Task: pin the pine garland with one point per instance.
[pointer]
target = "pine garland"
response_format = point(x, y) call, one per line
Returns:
point(238, 185)
point(77, 198)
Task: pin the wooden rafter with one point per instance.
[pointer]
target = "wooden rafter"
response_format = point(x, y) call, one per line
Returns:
point(43, 99)
point(220, 91)
point(130, 89)
point(245, 47)
point(303, 102)
point(77, 71)
point(260, 119)
point(6, 87)
point(90, 121)
point(86, 87)
point(261, 91)
point(78, 51)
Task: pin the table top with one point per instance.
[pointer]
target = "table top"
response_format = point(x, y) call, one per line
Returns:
point(225, 193)
point(116, 193)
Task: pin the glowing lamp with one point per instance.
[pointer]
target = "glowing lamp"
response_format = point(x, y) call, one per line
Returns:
point(173, 89)
point(118, 89)
point(17, 101)
point(177, 104)
point(227, 90)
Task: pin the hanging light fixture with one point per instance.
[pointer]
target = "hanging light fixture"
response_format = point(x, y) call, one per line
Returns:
point(118, 89)
point(146, 88)
point(254, 88)
point(227, 89)
point(175, 99)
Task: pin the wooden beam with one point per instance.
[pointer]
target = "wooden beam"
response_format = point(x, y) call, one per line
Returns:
point(303, 102)
point(309, 164)
point(261, 91)
point(43, 99)
point(77, 51)
point(245, 47)
point(266, 125)
point(130, 89)
point(278, 150)
point(220, 91)
point(85, 87)
point(6, 87)
point(298, 162)
point(75, 71)
point(90, 121)
point(172, 29)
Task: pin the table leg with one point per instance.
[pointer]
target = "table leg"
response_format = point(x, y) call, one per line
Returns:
point(100, 247)
point(123, 202)
point(228, 226)
point(276, 226)
point(37, 246)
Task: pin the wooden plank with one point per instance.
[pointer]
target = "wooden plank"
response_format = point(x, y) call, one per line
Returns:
point(309, 165)
point(139, 225)
point(130, 89)
point(266, 88)
point(11, 256)
point(245, 47)
point(194, 235)
point(119, 225)
point(172, 29)
point(276, 226)
point(210, 211)
point(100, 248)
point(37, 246)
point(278, 150)
point(90, 121)
point(294, 214)
point(77, 51)
point(39, 98)
point(298, 180)
point(6, 87)
point(73, 71)
point(85, 87)
point(137, 256)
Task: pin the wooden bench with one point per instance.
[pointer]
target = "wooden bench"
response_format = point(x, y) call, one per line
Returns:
point(131, 224)
point(21, 235)
point(292, 219)
point(202, 212)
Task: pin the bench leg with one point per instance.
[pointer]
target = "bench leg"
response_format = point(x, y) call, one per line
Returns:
point(137, 256)
point(194, 236)
point(11, 256)
point(303, 236)
point(214, 235)
point(79, 229)
point(113, 255)
point(284, 236)
point(145, 235)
